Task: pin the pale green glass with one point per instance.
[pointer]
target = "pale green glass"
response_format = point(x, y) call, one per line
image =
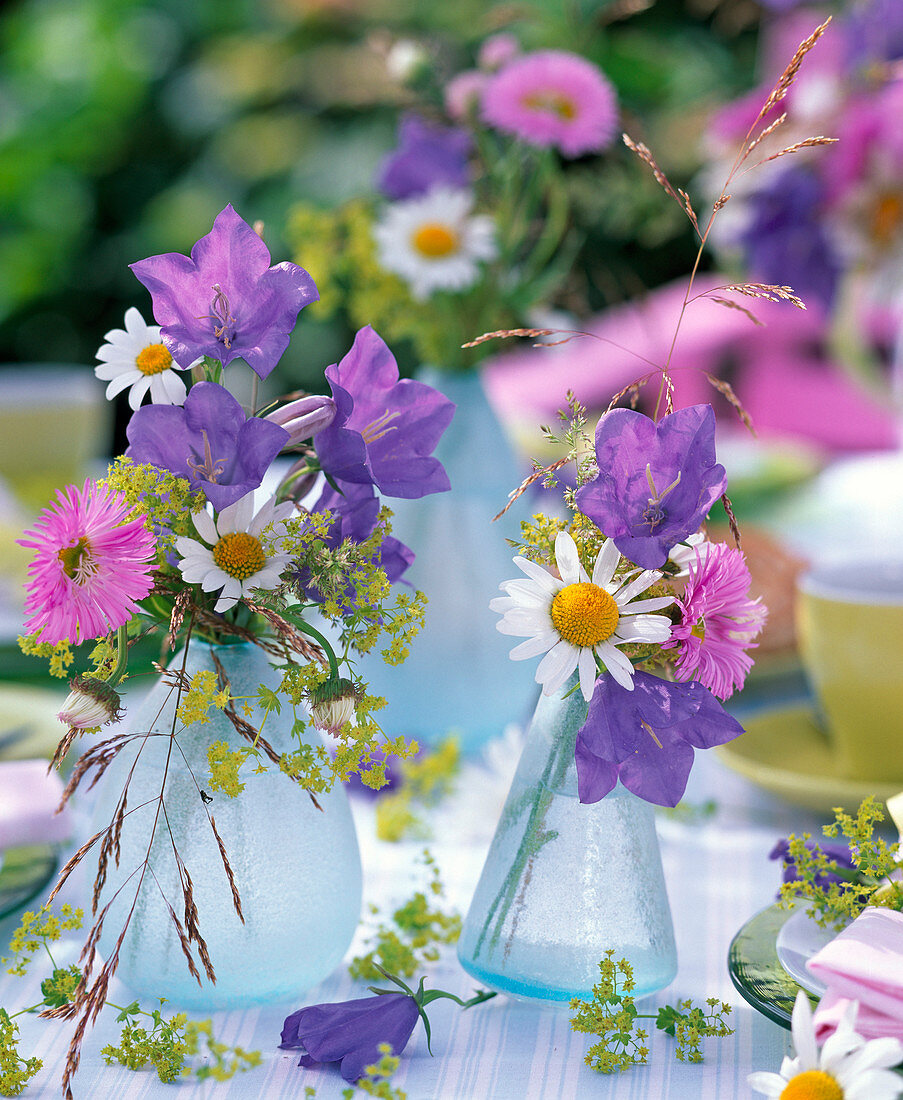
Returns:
point(564, 882)
point(297, 867)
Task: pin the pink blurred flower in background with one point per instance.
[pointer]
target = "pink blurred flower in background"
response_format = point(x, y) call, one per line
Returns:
point(553, 98)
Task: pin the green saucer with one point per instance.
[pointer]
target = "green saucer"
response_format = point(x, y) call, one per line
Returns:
point(24, 872)
point(752, 962)
point(784, 752)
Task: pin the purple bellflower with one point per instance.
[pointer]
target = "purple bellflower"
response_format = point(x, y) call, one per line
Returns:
point(656, 482)
point(385, 430)
point(427, 156)
point(645, 738)
point(225, 300)
point(209, 441)
point(351, 1032)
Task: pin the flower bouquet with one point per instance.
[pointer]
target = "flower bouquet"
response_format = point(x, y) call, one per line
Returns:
point(197, 536)
point(469, 229)
point(643, 627)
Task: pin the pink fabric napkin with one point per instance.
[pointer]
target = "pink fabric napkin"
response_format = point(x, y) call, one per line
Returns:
point(28, 801)
point(865, 964)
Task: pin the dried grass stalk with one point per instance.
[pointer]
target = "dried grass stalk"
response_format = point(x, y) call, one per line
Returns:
point(680, 197)
point(179, 607)
point(633, 390)
point(788, 76)
point(62, 749)
point(731, 519)
point(736, 305)
point(765, 133)
point(293, 638)
point(227, 867)
point(73, 862)
point(808, 143)
point(506, 333)
point(727, 391)
point(771, 292)
point(540, 471)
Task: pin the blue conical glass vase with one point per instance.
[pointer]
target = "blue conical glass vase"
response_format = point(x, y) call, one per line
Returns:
point(296, 865)
point(564, 882)
point(458, 677)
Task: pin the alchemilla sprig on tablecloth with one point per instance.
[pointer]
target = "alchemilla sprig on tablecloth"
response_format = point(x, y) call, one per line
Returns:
point(198, 531)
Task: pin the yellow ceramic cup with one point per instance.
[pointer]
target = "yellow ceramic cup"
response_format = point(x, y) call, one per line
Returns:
point(850, 627)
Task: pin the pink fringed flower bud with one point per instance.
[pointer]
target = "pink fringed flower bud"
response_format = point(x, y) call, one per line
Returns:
point(91, 703)
point(333, 704)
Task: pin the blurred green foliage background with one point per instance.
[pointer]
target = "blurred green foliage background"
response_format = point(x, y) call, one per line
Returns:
point(125, 126)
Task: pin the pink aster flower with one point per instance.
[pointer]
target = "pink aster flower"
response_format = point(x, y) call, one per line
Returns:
point(93, 562)
point(553, 98)
point(718, 621)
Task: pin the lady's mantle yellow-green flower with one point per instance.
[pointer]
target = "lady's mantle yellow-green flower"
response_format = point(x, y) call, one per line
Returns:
point(847, 1067)
point(574, 619)
point(234, 556)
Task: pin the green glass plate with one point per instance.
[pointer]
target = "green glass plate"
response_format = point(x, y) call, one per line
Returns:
point(23, 874)
point(752, 962)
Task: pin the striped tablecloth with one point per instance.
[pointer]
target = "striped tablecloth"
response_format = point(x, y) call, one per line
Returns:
point(718, 875)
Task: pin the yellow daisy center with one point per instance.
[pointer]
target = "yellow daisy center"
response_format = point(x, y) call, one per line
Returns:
point(240, 555)
point(553, 102)
point(435, 240)
point(814, 1084)
point(154, 359)
point(584, 614)
point(76, 559)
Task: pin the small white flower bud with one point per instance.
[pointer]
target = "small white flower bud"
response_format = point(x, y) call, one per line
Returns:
point(90, 703)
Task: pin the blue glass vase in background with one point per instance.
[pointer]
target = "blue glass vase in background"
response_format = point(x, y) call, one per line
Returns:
point(297, 868)
point(458, 677)
point(564, 882)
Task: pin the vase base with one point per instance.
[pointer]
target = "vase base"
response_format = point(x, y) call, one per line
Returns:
point(529, 990)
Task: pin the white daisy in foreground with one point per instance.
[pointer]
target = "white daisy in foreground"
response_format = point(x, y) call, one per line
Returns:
point(136, 357)
point(238, 556)
point(846, 1068)
point(434, 242)
point(574, 620)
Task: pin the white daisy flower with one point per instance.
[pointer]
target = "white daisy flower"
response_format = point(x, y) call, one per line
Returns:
point(135, 358)
point(235, 556)
point(574, 619)
point(434, 242)
point(846, 1068)
point(685, 553)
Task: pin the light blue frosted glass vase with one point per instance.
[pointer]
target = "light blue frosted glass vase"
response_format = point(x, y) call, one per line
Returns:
point(453, 679)
point(564, 882)
point(297, 868)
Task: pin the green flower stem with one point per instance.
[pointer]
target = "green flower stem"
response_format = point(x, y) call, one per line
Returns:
point(438, 994)
point(321, 640)
point(423, 997)
point(22, 1011)
point(122, 657)
point(533, 840)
